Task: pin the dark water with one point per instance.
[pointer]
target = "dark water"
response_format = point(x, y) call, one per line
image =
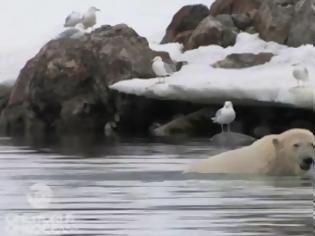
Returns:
point(124, 187)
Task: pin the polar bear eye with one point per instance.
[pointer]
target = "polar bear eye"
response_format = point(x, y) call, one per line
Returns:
point(296, 145)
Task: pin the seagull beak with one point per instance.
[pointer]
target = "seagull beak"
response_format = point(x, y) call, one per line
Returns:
point(97, 9)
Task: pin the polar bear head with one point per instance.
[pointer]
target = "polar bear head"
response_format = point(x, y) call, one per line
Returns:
point(295, 151)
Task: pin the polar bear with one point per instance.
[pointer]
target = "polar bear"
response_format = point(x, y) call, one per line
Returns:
point(289, 153)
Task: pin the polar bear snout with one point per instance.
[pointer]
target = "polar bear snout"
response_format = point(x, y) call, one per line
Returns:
point(307, 163)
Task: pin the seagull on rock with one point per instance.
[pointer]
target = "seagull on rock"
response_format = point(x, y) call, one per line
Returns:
point(225, 116)
point(300, 73)
point(88, 19)
point(161, 69)
point(73, 19)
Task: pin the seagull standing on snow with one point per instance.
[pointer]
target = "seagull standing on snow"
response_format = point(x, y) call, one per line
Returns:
point(300, 73)
point(161, 69)
point(225, 115)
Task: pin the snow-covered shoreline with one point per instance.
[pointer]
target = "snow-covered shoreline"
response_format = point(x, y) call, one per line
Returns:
point(67, 83)
point(197, 81)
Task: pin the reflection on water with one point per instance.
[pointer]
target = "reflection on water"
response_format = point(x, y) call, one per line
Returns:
point(136, 187)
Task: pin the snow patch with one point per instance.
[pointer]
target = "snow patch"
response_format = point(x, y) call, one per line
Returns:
point(199, 82)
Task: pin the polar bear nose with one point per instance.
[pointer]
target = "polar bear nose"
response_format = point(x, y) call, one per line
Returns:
point(307, 163)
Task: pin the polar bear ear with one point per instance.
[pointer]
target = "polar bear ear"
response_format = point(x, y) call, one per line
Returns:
point(277, 143)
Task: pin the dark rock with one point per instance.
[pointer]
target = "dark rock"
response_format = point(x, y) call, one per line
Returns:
point(228, 38)
point(65, 86)
point(221, 7)
point(234, 6)
point(137, 114)
point(303, 124)
point(180, 64)
point(186, 19)
point(211, 31)
point(226, 20)
point(273, 20)
point(22, 117)
point(261, 130)
point(5, 90)
point(231, 139)
point(302, 29)
point(251, 30)
point(242, 21)
point(183, 36)
point(86, 112)
point(192, 123)
point(243, 60)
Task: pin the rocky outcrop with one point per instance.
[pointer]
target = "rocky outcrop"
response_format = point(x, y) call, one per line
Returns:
point(5, 90)
point(243, 60)
point(212, 31)
point(262, 121)
point(234, 7)
point(273, 20)
point(231, 139)
point(242, 21)
point(193, 27)
point(183, 37)
point(185, 20)
point(193, 123)
point(283, 21)
point(302, 28)
point(65, 86)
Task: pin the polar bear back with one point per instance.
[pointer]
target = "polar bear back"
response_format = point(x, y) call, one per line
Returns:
point(253, 159)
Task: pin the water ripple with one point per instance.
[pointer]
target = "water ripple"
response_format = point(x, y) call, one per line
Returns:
point(138, 189)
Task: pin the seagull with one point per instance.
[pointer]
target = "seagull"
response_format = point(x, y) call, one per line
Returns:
point(89, 18)
point(161, 69)
point(109, 128)
point(225, 115)
point(300, 73)
point(73, 19)
point(74, 33)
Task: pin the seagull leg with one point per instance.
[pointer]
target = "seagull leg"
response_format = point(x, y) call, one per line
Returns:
point(222, 129)
point(161, 80)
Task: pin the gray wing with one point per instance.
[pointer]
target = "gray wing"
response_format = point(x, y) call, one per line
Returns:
point(168, 68)
point(218, 113)
point(68, 18)
point(68, 33)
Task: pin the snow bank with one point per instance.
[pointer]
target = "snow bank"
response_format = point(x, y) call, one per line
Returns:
point(28, 25)
point(199, 82)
